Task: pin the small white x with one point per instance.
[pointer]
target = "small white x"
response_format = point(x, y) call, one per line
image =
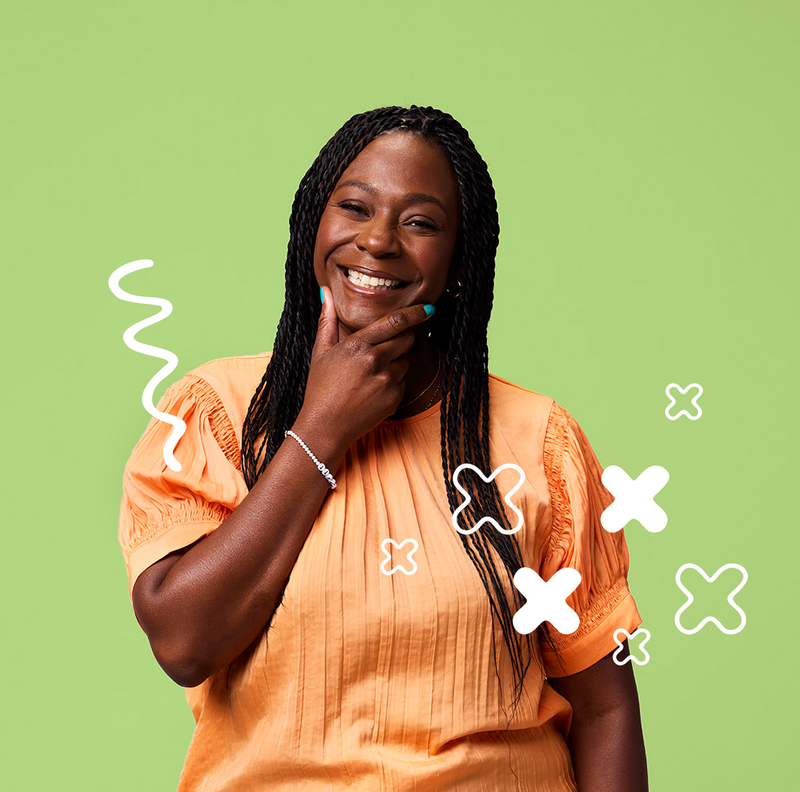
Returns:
point(546, 600)
point(642, 635)
point(388, 553)
point(633, 499)
point(683, 392)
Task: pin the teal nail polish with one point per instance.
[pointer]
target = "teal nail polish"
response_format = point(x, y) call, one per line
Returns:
point(321, 295)
point(430, 310)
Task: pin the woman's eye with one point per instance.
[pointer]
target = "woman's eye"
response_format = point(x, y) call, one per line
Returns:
point(351, 207)
point(416, 222)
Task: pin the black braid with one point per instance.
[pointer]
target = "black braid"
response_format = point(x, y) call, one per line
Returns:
point(459, 329)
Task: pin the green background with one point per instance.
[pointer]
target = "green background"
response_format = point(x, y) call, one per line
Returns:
point(646, 165)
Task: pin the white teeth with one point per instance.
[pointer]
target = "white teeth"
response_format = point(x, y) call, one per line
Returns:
point(359, 279)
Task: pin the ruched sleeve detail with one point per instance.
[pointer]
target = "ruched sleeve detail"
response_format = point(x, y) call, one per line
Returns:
point(164, 510)
point(578, 540)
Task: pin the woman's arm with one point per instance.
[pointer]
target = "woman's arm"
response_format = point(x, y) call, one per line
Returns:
point(605, 739)
point(202, 606)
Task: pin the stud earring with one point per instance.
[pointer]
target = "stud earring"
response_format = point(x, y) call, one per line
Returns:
point(451, 293)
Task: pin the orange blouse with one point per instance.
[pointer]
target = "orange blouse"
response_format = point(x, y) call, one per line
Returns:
point(374, 681)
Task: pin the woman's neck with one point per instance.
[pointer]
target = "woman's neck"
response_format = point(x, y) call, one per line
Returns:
point(422, 379)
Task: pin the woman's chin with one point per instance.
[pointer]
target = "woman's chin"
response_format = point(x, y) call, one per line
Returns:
point(356, 317)
point(352, 321)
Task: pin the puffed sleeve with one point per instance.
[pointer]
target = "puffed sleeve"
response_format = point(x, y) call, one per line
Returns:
point(577, 540)
point(164, 510)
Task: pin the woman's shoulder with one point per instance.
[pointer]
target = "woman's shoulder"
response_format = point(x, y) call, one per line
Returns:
point(519, 411)
point(505, 393)
point(232, 371)
point(229, 382)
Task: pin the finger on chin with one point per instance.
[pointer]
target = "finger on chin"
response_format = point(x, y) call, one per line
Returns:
point(388, 327)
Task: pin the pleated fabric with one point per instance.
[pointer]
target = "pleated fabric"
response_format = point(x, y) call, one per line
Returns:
point(374, 681)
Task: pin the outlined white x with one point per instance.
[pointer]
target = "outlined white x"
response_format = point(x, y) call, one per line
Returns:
point(633, 499)
point(683, 392)
point(399, 567)
point(642, 631)
point(507, 499)
point(730, 597)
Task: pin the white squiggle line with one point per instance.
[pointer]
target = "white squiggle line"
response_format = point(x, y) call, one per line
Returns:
point(129, 337)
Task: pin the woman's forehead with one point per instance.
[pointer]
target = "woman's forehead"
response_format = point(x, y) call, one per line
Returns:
point(407, 161)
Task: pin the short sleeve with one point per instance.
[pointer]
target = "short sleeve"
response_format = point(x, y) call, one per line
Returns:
point(577, 540)
point(164, 510)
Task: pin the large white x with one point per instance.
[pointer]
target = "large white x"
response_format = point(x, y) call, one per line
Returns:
point(633, 499)
point(546, 600)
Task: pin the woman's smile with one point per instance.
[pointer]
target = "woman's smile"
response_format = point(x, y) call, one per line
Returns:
point(372, 281)
point(369, 281)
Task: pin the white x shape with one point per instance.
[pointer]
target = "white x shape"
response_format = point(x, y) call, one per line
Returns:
point(546, 600)
point(388, 553)
point(633, 499)
point(507, 499)
point(642, 631)
point(712, 619)
point(683, 392)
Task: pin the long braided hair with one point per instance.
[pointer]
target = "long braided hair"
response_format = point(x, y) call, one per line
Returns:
point(458, 329)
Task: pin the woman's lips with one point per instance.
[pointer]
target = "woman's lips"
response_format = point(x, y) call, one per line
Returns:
point(370, 281)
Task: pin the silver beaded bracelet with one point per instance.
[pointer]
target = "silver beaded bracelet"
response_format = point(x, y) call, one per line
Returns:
point(320, 467)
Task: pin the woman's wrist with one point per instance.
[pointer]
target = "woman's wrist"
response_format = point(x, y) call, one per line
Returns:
point(323, 469)
point(323, 442)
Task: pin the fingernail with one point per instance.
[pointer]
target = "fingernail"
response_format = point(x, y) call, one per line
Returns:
point(321, 295)
point(430, 310)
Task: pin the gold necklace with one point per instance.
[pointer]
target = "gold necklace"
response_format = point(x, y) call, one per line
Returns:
point(422, 393)
point(433, 398)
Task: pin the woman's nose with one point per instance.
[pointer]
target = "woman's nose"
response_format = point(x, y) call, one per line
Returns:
point(378, 237)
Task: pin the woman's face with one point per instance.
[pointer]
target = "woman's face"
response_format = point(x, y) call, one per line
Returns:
point(389, 229)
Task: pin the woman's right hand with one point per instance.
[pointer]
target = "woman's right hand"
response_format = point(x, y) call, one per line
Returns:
point(356, 383)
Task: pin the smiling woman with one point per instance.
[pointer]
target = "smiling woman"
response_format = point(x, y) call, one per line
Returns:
point(262, 571)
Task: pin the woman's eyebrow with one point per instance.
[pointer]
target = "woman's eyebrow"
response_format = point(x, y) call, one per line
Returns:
point(352, 183)
point(410, 197)
point(424, 198)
